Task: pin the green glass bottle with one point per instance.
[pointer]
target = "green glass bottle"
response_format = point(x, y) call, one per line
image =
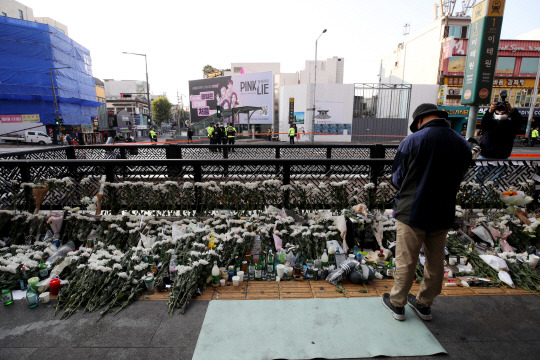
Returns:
point(270, 263)
point(43, 271)
point(258, 270)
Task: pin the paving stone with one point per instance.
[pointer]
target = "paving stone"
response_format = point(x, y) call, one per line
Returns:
point(151, 353)
point(11, 353)
point(179, 329)
point(132, 327)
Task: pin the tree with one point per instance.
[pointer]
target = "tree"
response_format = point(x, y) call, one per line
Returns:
point(161, 111)
point(208, 69)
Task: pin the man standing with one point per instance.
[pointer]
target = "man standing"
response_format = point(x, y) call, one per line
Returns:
point(211, 135)
point(292, 134)
point(500, 125)
point(153, 135)
point(230, 133)
point(189, 135)
point(534, 136)
point(428, 169)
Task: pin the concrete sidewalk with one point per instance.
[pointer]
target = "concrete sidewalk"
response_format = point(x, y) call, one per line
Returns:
point(472, 327)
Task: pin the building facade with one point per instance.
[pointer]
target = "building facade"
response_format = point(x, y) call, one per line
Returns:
point(17, 10)
point(436, 56)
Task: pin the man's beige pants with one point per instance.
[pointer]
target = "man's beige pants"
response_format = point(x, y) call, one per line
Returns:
point(408, 243)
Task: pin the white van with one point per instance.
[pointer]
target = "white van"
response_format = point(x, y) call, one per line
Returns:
point(31, 137)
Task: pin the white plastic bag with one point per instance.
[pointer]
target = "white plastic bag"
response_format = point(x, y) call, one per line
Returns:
point(495, 262)
point(483, 234)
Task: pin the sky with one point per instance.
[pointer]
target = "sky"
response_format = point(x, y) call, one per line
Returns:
point(181, 37)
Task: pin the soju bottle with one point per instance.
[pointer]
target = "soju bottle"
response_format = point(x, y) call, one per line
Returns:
point(215, 275)
point(24, 278)
point(173, 263)
point(258, 270)
point(324, 259)
point(270, 263)
point(43, 271)
point(237, 264)
point(251, 267)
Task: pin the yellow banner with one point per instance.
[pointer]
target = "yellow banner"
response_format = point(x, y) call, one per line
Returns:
point(30, 118)
point(479, 11)
point(495, 8)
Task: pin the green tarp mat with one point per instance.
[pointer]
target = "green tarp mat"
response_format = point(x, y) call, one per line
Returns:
point(307, 329)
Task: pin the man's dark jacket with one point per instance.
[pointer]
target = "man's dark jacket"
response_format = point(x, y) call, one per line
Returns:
point(498, 136)
point(428, 169)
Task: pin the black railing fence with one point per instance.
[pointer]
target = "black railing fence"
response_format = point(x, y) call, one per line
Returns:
point(170, 184)
point(197, 152)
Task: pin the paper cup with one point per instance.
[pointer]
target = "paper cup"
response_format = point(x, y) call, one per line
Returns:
point(44, 297)
point(235, 280)
point(533, 260)
point(280, 268)
point(289, 270)
point(463, 260)
point(222, 282)
point(452, 260)
point(240, 274)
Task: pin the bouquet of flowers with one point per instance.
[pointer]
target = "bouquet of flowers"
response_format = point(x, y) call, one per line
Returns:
point(514, 198)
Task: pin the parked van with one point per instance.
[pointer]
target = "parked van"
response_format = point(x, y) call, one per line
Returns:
point(30, 137)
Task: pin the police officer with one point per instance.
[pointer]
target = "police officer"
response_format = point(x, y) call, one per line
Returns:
point(220, 135)
point(153, 135)
point(292, 134)
point(211, 135)
point(230, 132)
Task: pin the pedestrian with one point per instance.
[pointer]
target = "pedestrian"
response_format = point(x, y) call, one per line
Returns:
point(153, 135)
point(534, 136)
point(427, 171)
point(220, 136)
point(105, 137)
point(190, 135)
point(230, 132)
point(269, 134)
point(292, 134)
point(68, 139)
point(499, 127)
point(211, 136)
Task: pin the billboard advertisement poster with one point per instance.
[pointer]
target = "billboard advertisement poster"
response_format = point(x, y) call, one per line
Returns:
point(19, 118)
point(233, 91)
point(329, 112)
point(299, 117)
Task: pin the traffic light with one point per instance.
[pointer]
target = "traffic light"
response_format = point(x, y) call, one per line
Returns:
point(59, 121)
point(125, 95)
point(149, 120)
point(218, 111)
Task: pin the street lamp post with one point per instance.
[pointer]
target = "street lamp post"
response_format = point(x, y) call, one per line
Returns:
point(315, 91)
point(147, 83)
point(54, 98)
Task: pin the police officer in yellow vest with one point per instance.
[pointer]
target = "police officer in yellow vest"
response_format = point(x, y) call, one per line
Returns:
point(153, 135)
point(211, 135)
point(230, 133)
point(292, 134)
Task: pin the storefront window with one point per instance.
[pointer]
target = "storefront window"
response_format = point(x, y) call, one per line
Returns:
point(529, 66)
point(505, 65)
point(456, 64)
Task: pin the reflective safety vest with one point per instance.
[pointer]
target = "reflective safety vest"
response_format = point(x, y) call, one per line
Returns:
point(210, 131)
point(292, 132)
point(534, 133)
point(153, 134)
point(231, 131)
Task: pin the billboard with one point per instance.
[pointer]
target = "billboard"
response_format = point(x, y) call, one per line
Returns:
point(233, 91)
point(329, 112)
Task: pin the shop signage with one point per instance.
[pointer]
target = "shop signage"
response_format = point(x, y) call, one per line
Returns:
point(87, 128)
point(19, 118)
point(291, 110)
point(463, 111)
point(481, 60)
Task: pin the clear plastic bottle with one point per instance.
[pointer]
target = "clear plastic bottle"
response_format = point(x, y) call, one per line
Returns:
point(173, 264)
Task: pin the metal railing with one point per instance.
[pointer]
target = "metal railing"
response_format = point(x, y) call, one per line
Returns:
point(301, 176)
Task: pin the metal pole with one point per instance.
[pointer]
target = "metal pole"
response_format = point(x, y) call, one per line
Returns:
point(148, 88)
point(471, 123)
point(315, 91)
point(533, 101)
point(56, 108)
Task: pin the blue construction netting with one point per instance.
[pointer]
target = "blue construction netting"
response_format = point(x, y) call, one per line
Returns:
point(28, 51)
